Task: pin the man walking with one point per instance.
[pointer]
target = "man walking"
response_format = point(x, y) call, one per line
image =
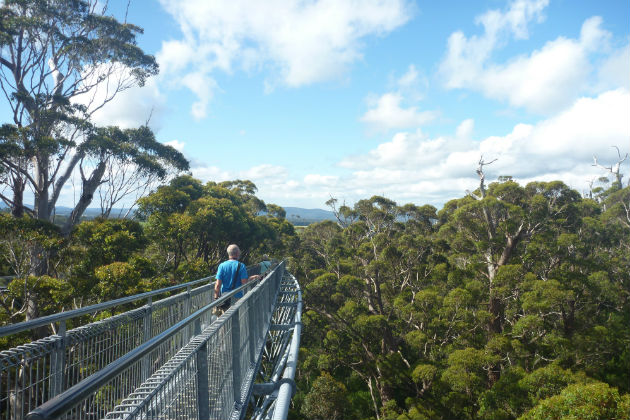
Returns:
point(231, 274)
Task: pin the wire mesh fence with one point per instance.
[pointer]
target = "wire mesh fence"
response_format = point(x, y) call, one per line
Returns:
point(33, 373)
point(166, 360)
point(217, 367)
point(280, 350)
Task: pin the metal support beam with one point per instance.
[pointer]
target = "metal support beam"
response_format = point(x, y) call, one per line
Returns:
point(203, 392)
point(236, 363)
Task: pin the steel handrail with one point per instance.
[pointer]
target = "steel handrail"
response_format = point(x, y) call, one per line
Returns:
point(62, 316)
point(287, 389)
point(60, 404)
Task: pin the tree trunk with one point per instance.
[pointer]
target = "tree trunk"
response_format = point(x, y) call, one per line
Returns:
point(568, 319)
point(87, 194)
point(374, 402)
point(17, 210)
point(40, 207)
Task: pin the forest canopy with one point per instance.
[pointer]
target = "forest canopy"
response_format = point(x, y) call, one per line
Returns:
point(508, 303)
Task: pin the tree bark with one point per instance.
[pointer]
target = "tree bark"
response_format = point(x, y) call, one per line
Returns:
point(89, 187)
point(17, 209)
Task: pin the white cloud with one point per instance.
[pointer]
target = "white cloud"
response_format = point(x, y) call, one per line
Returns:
point(397, 109)
point(465, 129)
point(261, 175)
point(175, 56)
point(409, 79)
point(414, 167)
point(465, 57)
point(388, 114)
point(417, 168)
point(176, 144)
point(266, 173)
point(211, 173)
point(315, 179)
point(301, 42)
point(614, 71)
point(130, 108)
point(203, 86)
point(544, 81)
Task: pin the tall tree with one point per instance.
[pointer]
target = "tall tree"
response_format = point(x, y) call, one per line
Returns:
point(60, 61)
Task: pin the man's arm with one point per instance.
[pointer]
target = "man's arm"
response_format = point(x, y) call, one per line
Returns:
point(217, 288)
point(243, 274)
point(246, 279)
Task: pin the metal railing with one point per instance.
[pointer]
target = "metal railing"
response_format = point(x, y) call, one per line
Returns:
point(33, 373)
point(275, 386)
point(192, 366)
point(210, 377)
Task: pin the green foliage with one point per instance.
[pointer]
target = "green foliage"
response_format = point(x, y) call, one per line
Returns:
point(326, 399)
point(134, 145)
point(190, 225)
point(466, 371)
point(119, 279)
point(100, 242)
point(52, 293)
point(26, 242)
point(482, 311)
point(594, 401)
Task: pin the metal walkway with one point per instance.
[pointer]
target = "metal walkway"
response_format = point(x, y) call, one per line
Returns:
point(169, 359)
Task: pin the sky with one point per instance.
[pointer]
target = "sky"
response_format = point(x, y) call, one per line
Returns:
point(313, 99)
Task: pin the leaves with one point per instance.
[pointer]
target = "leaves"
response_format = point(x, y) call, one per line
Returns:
point(482, 311)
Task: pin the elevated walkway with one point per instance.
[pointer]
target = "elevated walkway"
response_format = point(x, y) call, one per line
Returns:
point(166, 359)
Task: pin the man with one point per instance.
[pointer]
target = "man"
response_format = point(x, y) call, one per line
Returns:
point(265, 265)
point(231, 274)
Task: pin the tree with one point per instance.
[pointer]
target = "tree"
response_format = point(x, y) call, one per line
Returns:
point(190, 224)
point(500, 301)
point(615, 169)
point(276, 211)
point(595, 401)
point(111, 147)
point(326, 399)
point(20, 237)
point(54, 54)
point(60, 61)
point(488, 230)
point(97, 243)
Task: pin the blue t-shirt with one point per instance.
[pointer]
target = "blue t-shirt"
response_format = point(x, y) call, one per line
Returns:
point(264, 266)
point(226, 273)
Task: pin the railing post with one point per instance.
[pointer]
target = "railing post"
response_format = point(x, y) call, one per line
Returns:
point(58, 361)
point(187, 311)
point(253, 328)
point(203, 391)
point(236, 362)
point(188, 301)
point(148, 326)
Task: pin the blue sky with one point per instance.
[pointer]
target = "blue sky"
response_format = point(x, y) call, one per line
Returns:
point(352, 98)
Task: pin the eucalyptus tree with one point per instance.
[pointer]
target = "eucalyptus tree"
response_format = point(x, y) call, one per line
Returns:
point(477, 312)
point(60, 61)
point(487, 229)
point(190, 224)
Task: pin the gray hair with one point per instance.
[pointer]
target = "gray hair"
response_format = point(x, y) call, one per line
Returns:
point(233, 250)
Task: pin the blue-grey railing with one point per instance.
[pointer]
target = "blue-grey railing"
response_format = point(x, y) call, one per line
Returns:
point(134, 365)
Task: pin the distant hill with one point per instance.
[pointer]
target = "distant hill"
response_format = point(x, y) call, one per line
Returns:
point(296, 215)
point(63, 211)
point(300, 216)
point(89, 213)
